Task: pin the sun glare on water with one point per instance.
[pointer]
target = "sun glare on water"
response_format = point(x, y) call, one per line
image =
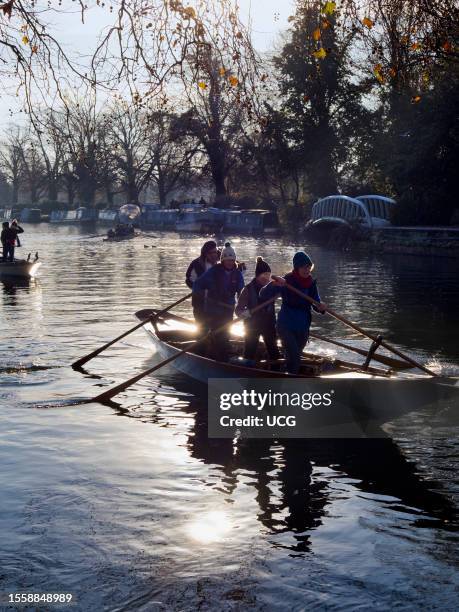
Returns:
point(209, 527)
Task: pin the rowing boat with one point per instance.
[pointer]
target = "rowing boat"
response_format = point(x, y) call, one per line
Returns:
point(379, 394)
point(19, 268)
point(120, 238)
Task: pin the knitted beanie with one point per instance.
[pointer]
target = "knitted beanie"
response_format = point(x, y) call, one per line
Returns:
point(228, 252)
point(262, 266)
point(301, 259)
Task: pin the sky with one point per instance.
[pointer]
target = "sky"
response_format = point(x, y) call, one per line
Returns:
point(268, 19)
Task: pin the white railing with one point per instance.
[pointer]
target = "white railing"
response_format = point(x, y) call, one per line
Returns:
point(369, 210)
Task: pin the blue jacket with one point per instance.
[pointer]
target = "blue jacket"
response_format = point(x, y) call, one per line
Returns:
point(221, 286)
point(295, 312)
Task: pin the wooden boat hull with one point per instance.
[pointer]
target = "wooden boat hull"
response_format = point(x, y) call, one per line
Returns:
point(19, 268)
point(365, 401)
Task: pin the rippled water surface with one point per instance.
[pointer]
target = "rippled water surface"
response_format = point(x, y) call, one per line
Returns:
point(134, 508)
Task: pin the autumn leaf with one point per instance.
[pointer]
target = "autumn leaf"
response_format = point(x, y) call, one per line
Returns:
point(367, 22)
point(25, 40)
point(329, 8)
point(447, 46)
point(189, 12)
point(291, 18)
point(316, 34)
point(7, 8)
point(320, 53)
point(222, 71)
point(392, 72)
point(414, 46)
point(415, 99)
point(34, 48)
point(202, 85)
point(233, 81)
point(404, 40)
point(377, 72)
point(305, 98)
point(325, 24)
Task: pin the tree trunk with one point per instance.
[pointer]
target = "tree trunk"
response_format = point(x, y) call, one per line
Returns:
point(52, 190)
point(217, 166)
point(15, 193)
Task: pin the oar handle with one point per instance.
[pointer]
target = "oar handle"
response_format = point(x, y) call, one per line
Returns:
point(107, 395)
point(360, 330)
point(86, 358)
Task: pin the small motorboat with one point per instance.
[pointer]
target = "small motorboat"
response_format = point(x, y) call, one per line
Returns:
point(20, 268)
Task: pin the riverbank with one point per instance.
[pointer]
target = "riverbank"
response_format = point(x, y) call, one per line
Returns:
point(430, 241)
point(435, 241)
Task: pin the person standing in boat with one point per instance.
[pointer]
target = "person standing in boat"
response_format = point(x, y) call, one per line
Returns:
point(208, 258)
point(8, 237)
point(294, 319)
point(263, 322)
point(19, 230)
point(223, 282)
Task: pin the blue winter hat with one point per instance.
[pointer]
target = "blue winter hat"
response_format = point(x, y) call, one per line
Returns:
point(301, 259)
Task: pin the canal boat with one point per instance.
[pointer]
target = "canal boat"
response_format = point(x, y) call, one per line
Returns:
point(200, 220)
point(380, 394)
point(80, 216)
point(19, 268)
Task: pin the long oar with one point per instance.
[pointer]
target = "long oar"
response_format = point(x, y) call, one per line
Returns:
point(107, 395)
point(389, 361)
point(83, 360)
point(359, 329)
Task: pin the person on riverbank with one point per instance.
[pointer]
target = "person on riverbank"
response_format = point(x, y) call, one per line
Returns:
point(8, 238)
point(294, 319)
point(208, 258)
point(263, 322)
point(222, 282)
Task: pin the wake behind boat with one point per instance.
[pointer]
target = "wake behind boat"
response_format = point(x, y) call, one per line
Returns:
point(119, 238)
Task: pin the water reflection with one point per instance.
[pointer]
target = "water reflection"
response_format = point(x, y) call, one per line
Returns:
point(209, 527)
point(294, 481)
point(14, 286)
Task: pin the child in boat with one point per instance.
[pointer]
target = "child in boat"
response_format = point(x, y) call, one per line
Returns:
point(263, 322)
point(222, 282)
point(294, 319)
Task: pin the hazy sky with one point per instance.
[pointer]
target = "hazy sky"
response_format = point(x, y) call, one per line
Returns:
point(268, 18)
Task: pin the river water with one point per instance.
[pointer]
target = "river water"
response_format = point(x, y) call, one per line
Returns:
point(136, 509)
